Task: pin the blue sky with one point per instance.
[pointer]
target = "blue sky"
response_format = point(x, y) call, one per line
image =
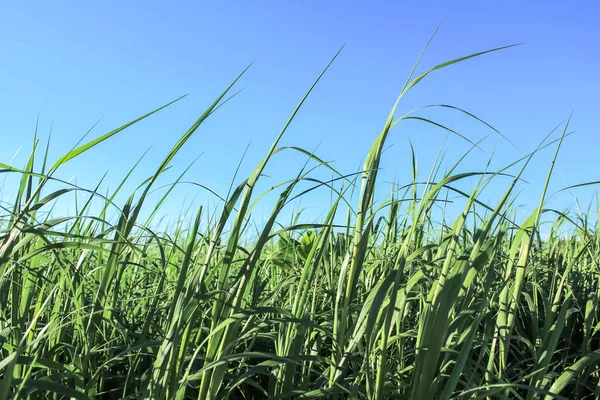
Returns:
point(77, 62)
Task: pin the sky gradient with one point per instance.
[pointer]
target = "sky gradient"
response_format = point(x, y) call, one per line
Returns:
point(75, 63)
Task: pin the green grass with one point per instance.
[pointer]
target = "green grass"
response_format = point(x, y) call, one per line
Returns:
point(402, 300)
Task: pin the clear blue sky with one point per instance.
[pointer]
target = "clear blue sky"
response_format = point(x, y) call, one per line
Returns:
point(76, 62)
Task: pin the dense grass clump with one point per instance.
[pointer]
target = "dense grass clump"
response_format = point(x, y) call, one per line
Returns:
point(402, 300)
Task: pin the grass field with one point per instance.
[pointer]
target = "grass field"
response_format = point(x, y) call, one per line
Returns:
point(402, 300)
